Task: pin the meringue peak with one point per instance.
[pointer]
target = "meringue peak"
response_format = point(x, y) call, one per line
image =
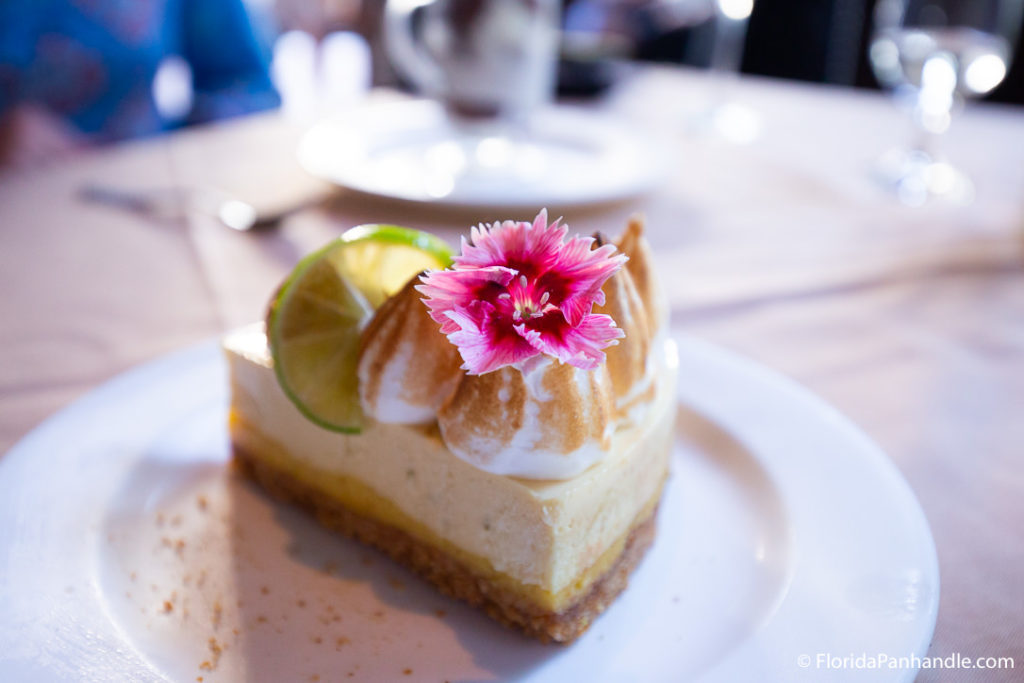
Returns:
point(407, 368)
point(628, 366)
point(552, 421)
point(640, 266)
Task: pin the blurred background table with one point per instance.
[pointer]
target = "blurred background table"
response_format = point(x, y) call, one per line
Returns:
point(910, 321)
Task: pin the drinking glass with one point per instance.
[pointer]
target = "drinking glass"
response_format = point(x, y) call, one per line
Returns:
point(934, 54)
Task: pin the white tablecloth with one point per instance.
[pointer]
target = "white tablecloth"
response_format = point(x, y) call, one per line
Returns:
point(910, 321)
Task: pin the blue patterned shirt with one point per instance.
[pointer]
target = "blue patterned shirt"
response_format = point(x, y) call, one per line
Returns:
point(93, 62)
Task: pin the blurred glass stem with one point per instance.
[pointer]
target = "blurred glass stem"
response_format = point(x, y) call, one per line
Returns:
point(731, 17)
point(723, 118)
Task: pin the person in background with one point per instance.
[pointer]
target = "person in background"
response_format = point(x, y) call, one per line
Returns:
point(82, 72)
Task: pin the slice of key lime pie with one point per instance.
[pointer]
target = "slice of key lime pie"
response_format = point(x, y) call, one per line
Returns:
point(499, 422)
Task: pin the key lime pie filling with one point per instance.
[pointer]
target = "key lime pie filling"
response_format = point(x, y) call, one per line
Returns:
point(517, 414)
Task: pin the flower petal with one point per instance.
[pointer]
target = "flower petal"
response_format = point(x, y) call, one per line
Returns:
point(576, 278)
point(580, 346)
point(528, 248)
point(485, 340)
point(449, 289)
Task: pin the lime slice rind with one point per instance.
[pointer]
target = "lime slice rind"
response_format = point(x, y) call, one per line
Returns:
point(303, 355)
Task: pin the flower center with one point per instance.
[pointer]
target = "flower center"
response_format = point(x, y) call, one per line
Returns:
point(526, 301)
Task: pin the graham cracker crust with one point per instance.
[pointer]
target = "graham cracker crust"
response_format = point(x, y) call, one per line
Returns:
point(447, 574)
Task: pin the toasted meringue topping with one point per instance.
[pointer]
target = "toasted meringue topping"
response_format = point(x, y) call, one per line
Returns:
point(628, 362)
point(407, 369)
point(640, 265)
point(551, 421)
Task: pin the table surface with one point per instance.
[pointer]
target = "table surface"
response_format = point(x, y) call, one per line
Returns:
point(909, 320)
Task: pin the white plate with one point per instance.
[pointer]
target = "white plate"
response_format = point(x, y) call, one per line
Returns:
point(131, 553)
point(410, 150)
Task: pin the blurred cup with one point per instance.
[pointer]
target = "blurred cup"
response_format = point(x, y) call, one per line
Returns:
point(482, 59)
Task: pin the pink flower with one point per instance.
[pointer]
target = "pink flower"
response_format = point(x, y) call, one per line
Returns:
point(520, 290)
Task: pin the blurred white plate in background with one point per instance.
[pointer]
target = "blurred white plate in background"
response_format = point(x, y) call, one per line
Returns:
point(411, 150)
point(131, 553)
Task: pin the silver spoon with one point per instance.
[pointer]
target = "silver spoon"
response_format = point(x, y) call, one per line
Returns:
point(234, 213)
